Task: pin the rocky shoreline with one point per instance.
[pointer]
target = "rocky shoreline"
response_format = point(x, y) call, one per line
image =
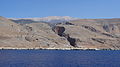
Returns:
point(9, 48)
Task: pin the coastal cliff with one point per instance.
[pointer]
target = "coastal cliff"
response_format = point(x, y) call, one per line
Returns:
point(72, 33)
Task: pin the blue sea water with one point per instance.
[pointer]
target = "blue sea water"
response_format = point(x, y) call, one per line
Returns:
point(59, 58)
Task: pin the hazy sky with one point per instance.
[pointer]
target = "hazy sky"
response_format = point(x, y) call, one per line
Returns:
point(73, 8)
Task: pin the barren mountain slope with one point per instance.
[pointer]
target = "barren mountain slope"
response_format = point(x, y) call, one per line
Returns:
point(34, 35)
point(79, 33)
point(94, 33)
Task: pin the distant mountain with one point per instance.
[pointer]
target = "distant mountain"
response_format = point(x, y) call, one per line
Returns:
point(59, 33)
point(52, 19)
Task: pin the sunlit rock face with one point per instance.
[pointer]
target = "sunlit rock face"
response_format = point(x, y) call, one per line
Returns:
point(94, 33)
point(59, 32)
point(29, 35)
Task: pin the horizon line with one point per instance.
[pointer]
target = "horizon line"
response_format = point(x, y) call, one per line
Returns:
point(65, 16)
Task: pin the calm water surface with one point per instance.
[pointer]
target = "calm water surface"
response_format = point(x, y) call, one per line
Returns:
point(59, 58)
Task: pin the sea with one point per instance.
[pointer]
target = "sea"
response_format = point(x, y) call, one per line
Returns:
point(59, 58)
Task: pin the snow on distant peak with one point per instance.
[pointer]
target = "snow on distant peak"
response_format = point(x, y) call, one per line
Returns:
point(49, 19)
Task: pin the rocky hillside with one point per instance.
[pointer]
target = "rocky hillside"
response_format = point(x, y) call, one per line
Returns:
point(99, 34)
point(72, 33)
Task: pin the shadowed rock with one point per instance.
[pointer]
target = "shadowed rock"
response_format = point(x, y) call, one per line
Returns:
point(72, 41)
point(59, 30)
point(99, 40)
point(90, 28)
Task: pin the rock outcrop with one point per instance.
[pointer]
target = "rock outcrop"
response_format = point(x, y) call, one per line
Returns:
point(76, 34)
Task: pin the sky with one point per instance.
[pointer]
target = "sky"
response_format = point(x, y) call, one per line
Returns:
point(74, 8)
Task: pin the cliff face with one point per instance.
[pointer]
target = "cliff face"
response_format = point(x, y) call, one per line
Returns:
point(82, 33)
